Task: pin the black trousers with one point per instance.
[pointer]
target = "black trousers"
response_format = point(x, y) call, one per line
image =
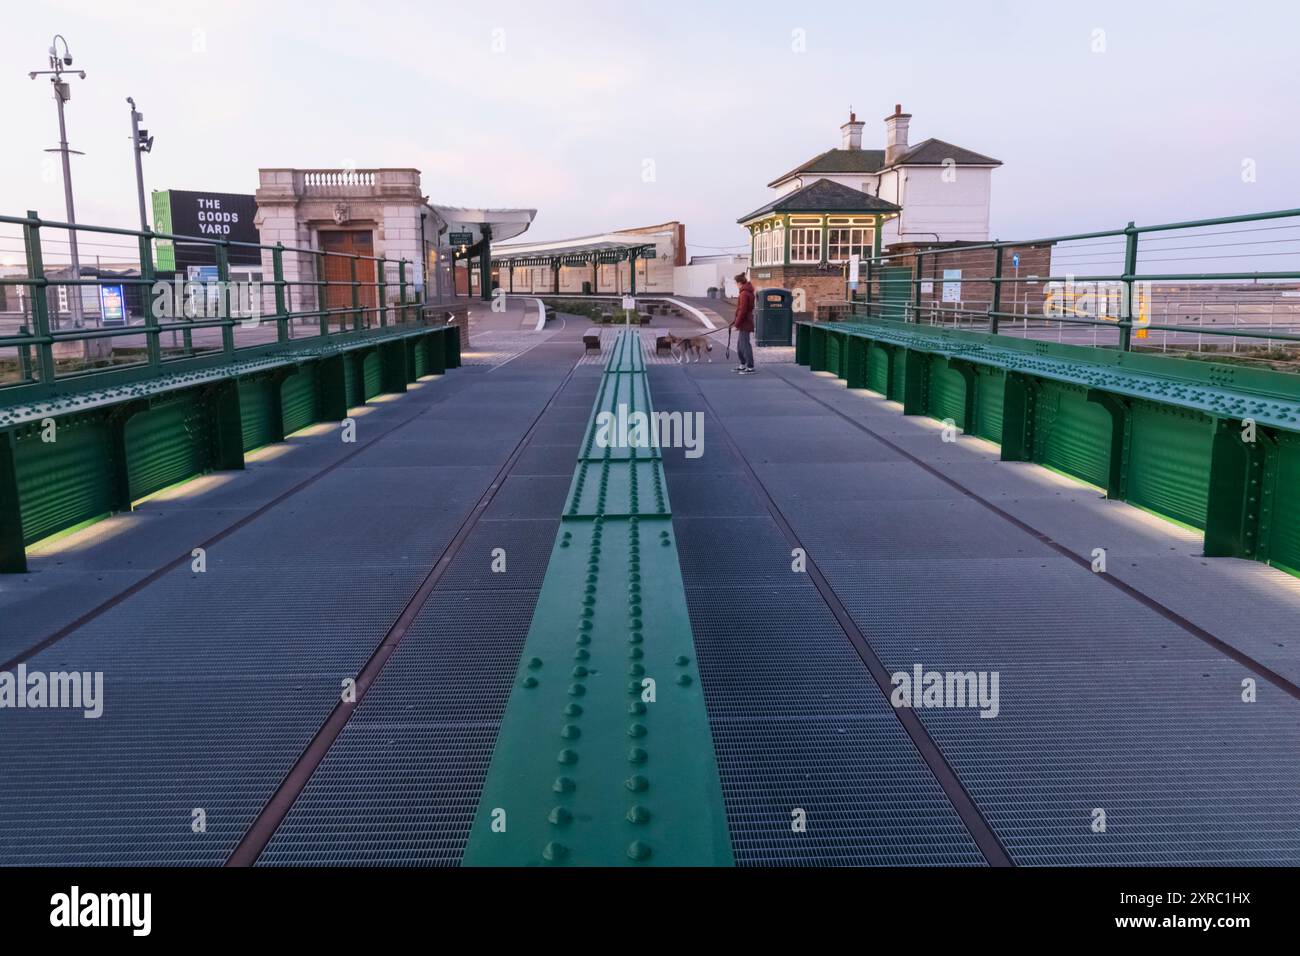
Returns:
point(745, 350)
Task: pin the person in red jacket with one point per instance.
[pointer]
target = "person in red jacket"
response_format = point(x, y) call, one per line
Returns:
point(744, 324)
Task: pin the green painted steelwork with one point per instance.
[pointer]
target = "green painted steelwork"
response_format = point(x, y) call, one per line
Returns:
point(167, 444)
point(1072, 434)
point(1284, 533)
point(878, 369)
point(300, 399)
point(947, 392)
point(114, 445)
point(989, 386)
point(66, 481)
point(259, 417)
point(43, 378)
point(602, 758)
point(371, 375)
point(1165, 434)
point(1167, 470)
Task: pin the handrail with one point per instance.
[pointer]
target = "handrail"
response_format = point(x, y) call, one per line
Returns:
point(337, 292)
point(907, 283)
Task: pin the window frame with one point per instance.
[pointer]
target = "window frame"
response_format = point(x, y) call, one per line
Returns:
point(803, 238)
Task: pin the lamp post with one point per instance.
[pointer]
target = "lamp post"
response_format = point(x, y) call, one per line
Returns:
point(63, 93)
point(141, 143)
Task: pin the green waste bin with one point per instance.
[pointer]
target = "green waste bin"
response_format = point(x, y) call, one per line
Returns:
point(774, 317)
point(586, 288)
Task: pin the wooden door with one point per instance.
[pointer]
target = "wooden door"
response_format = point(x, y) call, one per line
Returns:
point(338, 275)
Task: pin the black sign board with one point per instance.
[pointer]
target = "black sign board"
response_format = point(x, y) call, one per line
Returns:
point(213, 216)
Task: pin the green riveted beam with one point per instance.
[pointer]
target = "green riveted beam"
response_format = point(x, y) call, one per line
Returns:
point(855, 361)
point(125, 440)
point(604, 755)
point(1018, 399)
point(13, 553)
point(916, 372)
point(802, 344)
point(1161, 433)
point(816, 348)
point(970, 399)
point(1121, 432)
point(1243, 489)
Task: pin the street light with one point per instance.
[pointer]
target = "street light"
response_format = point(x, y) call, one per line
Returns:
point(141, 143)
point(63, 93)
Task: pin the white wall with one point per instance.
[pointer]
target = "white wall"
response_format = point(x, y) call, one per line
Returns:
point(956, 210)
point(694, 281)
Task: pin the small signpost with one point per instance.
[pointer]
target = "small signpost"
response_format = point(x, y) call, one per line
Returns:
point(460, 238)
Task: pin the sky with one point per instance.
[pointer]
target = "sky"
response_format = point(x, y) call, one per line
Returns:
point(612, 115)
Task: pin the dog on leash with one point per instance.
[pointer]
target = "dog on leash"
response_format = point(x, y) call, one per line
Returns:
point(683, 348)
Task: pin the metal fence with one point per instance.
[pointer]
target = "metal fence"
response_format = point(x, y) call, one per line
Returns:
point(1230, 284)
point(122, 313)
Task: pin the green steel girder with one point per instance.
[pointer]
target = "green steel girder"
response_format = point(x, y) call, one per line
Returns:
point(816, 348)
point(604, 755)
point(1156, 454)
point(916, 372)
point(393, 374)
point(1121, 441)
point(333, 379)
point(219, 433)
point(1221, 391)
point(855, 362)
point(141, 385)
point(1243, 489)
point(13, 552)
point(118, 416)
point(622, 404)
point(627, 355)
point(1018, 400)
point(802, 344)
point(618, 488)
point(225, 425)
point(971, 379)
point(438, 346)
point(451, 340)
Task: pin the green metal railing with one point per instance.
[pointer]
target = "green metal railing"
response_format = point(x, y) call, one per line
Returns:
point(913, 285)
point(374, 292)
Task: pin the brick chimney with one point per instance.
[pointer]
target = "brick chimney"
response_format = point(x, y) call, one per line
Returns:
point(852, 131)
point(896, 134)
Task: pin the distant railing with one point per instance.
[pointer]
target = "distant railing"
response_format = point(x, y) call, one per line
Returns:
point(1124, 288)
point(58, 329)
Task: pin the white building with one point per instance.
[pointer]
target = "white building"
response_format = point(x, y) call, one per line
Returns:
point(943, 189)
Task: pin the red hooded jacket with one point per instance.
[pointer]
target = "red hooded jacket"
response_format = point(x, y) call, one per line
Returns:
point(744, 321)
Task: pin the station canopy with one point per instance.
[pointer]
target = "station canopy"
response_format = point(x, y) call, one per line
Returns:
point(610, 247)
point(502, 223)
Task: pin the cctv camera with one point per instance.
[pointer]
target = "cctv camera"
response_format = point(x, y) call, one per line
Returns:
point(67, 61)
